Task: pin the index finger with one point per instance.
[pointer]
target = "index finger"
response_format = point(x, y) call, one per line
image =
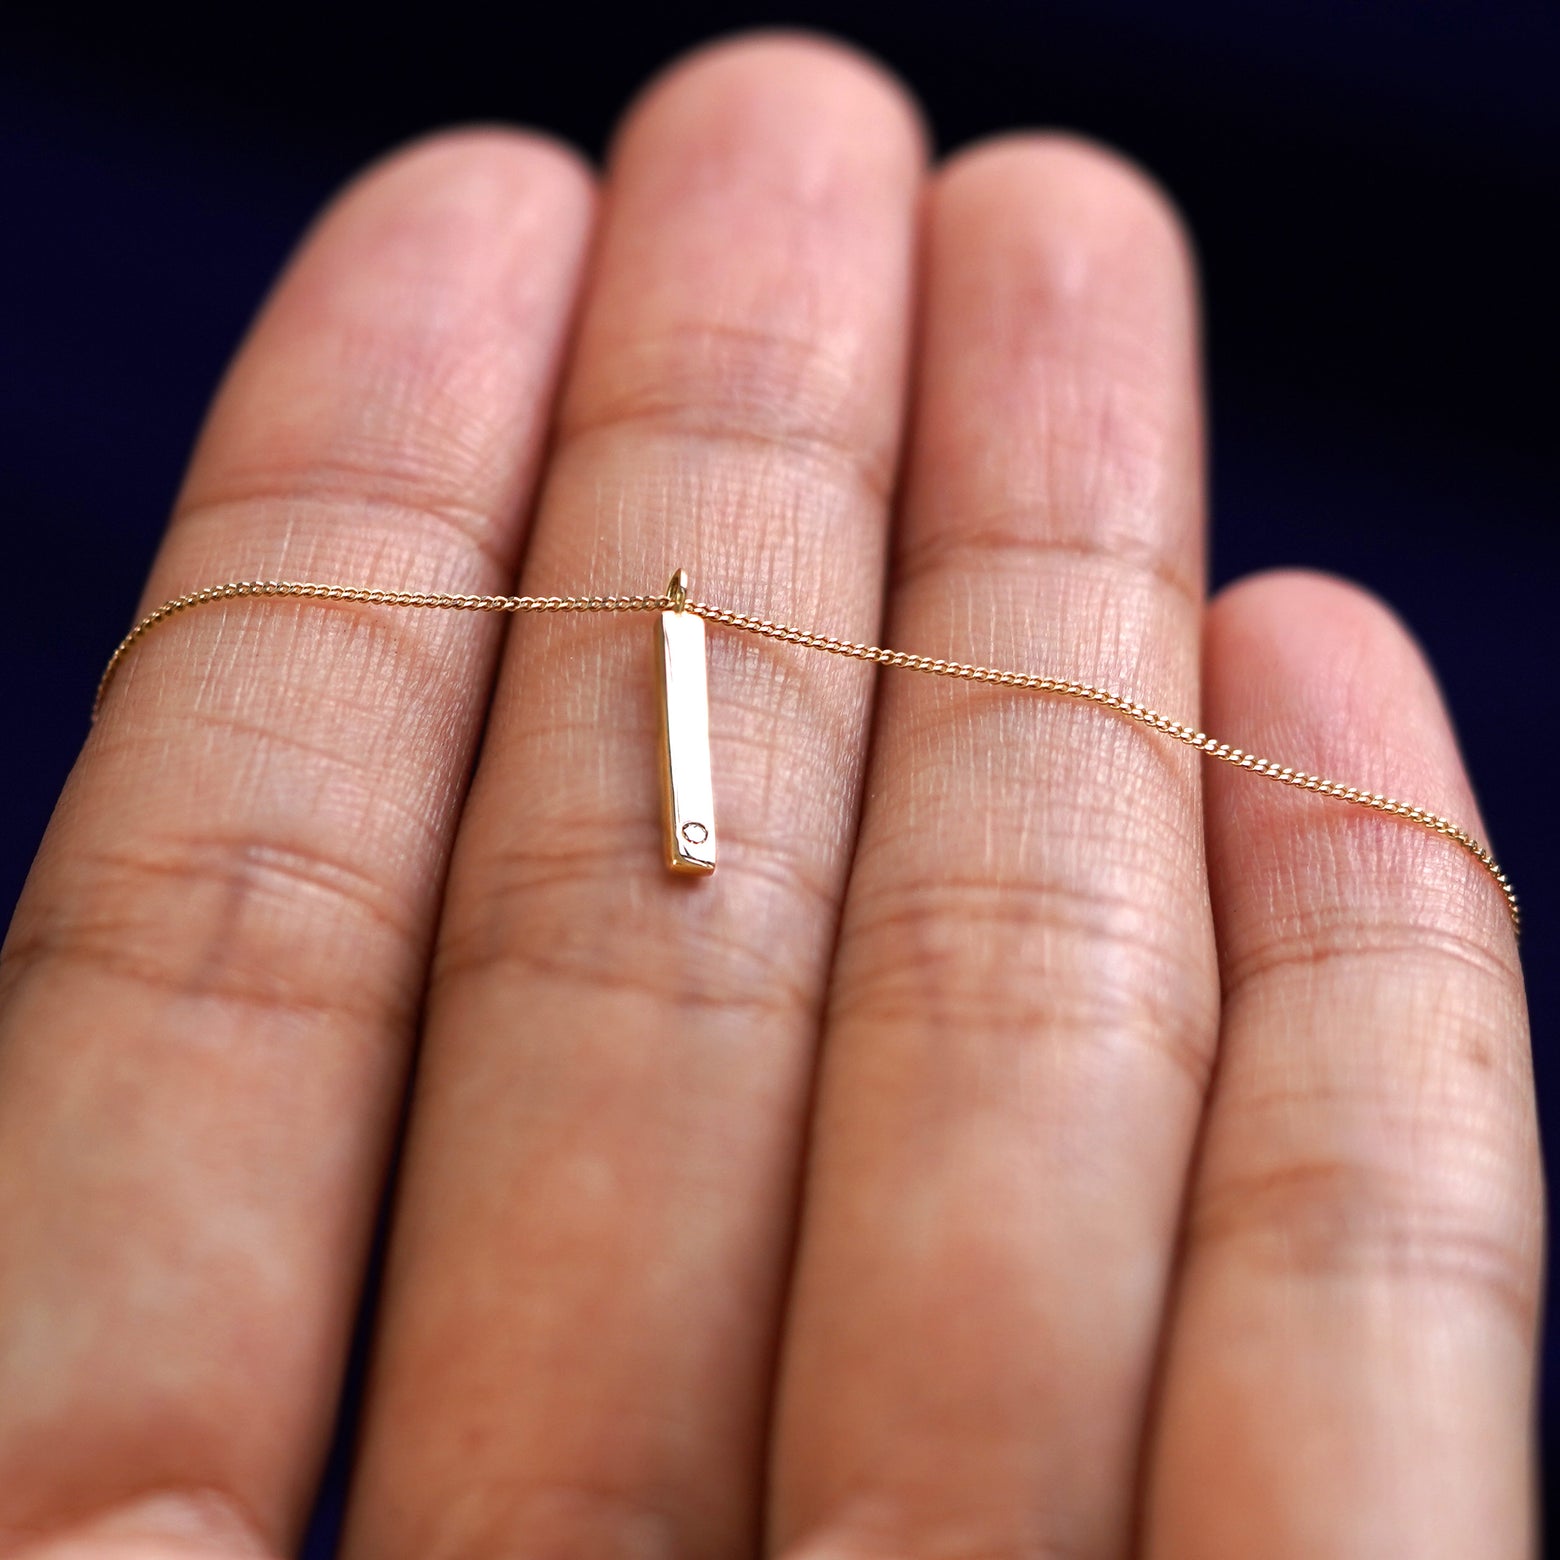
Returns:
point(209, 991)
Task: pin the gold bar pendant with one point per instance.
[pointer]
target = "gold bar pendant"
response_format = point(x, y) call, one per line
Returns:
point(687, 791)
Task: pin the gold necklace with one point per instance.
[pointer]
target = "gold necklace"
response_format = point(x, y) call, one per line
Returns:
point(685, 768)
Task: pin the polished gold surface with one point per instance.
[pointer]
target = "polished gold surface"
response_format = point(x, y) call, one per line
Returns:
point(687, 792)
point(677, 603)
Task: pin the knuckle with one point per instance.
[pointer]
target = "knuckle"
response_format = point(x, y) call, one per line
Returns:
point(239, 920)
point(1346, 1218)
point(1024, 537)
point(533, 921)
point(1439, 977)
point(1015, 962)
point(370, 499)
point(777, 395)
point(1331, 935)
point(556, 1521)
point(376, 677)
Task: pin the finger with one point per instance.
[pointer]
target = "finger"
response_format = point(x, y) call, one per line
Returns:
point(1351, 1367)
point(1022, 1011)
point(587, 1260)
point(210, 985)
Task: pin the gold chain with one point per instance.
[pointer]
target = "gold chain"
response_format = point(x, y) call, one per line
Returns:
point(787, 634)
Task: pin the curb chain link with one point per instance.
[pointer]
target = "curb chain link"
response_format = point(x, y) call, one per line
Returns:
point(786, 633)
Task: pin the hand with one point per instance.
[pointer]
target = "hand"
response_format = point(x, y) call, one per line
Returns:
point(1030, 1143)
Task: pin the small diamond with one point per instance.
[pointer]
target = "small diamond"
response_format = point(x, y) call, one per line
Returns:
point(695, 833)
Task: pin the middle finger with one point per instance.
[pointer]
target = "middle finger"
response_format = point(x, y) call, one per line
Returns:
point(589, 1251)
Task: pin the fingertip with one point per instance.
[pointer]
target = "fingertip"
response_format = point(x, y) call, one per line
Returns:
point(475, 164)
point(1316, 672)
point(794, 76)
point(430, 278)
point(1323, 647)
point(1315, 592)
point(1113, 189)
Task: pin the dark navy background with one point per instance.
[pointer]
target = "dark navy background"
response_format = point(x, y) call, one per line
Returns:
point(1368, 185)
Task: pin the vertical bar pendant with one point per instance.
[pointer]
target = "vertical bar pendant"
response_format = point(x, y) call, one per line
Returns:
point(687, 792)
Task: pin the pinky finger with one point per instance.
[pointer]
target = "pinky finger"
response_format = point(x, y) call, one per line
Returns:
point(1349, 1365)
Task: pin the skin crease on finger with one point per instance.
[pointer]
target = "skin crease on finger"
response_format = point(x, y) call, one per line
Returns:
point(589, 1259)
point(972, 1344)
point(1023, 1007)
point(210, 987)
point(1351, 1363)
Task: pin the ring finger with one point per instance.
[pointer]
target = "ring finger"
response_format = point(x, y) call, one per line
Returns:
point(1024, 1004)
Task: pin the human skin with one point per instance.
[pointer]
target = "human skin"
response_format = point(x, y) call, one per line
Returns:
point(1029, 1144)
